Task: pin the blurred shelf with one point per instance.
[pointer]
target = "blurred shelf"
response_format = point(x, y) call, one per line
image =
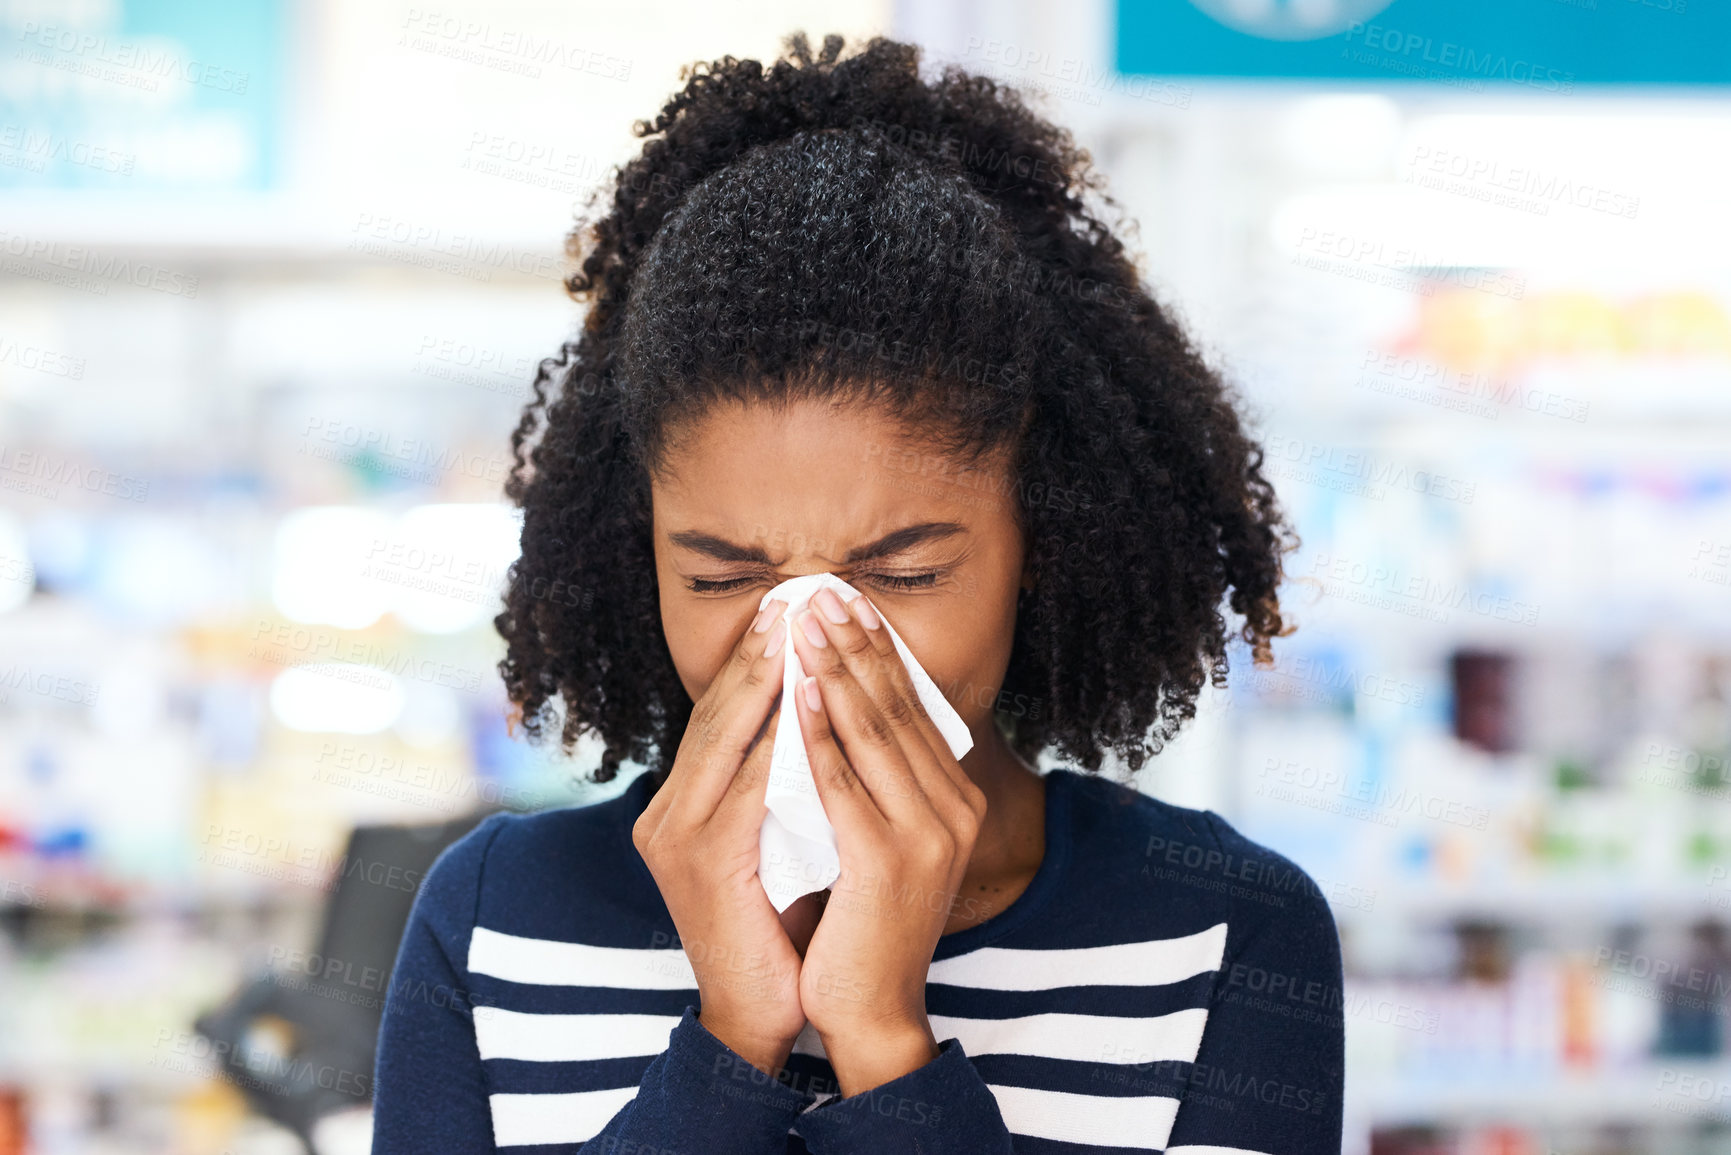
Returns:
point(1582, 898)
point(242, 231)
point(1654, 1092)
point(160, 901)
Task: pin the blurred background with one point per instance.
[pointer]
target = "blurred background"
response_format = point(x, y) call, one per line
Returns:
point(275, 276)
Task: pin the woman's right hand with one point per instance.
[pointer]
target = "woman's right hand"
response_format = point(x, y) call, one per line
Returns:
point(699, 837)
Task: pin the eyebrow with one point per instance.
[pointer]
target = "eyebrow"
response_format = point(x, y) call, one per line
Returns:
point(893, 542)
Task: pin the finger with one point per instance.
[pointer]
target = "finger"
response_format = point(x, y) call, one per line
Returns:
point(724, 724)
point(871, 657)
point(871, 747)
point(742, 804)
point(873, 621)
point(846, 800)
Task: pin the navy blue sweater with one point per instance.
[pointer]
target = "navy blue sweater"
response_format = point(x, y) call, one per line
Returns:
point(1163, 984)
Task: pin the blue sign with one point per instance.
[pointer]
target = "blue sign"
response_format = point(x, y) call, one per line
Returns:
point(1475, 45)
point(141, 94)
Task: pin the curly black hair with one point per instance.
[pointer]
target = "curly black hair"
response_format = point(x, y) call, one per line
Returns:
point(841, 227)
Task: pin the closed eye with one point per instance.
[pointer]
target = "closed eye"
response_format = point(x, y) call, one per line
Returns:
point(887, 581)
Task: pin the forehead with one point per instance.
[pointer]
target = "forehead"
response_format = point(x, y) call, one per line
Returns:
point(832, 475)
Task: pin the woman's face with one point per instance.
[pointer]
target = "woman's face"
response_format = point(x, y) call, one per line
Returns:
point(753, 496)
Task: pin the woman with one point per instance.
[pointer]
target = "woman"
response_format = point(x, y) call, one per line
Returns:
point(845, 320)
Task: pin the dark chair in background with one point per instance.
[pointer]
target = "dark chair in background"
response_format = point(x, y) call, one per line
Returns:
point(300, 1043)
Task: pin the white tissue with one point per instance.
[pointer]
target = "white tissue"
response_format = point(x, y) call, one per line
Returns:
point(796, 843)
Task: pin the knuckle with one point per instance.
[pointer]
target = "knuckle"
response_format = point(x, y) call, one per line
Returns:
point(936, 846)
point(897, 712)
point(875, 730)
point(821, 730)
point(746, 778)
point(835, 770)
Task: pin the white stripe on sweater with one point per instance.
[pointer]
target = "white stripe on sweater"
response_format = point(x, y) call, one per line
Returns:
point(505, 1034)
point(574, 964)
point(1143, 964)
point(577, 1117)
point(1083, 1038)
point(1136, 1121)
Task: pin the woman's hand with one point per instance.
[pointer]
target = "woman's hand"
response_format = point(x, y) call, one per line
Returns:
point(699, 837)
point(905, 815)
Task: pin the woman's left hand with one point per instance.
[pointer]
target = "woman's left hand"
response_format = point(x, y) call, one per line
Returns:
point(905, 815)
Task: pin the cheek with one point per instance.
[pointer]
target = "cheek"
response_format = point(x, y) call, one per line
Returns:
point(963, 653)
point(700, 639)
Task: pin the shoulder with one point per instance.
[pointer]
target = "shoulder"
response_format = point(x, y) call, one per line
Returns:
point(1197, 865)
point(530, 873)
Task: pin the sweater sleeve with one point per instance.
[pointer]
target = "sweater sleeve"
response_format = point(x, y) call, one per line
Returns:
point(1271, 1069)
point(701, 1095)
point(430, 1085)
point(943, 1106)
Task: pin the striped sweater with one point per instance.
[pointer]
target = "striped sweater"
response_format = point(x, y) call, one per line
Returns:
point(1163, 984)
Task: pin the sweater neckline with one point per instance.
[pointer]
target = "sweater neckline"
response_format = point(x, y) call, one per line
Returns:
point(1047, 878)
point(1058, 783)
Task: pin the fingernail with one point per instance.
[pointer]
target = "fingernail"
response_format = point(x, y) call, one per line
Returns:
point(776, 636)
point(767, 615)
point(868, 617)
point(808, 622)
point(813, 700)
point(831, 606)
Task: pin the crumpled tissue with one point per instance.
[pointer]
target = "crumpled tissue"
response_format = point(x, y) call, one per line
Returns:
point(796, 844)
